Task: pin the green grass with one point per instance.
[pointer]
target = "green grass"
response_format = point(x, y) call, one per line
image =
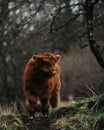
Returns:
point(87, 114)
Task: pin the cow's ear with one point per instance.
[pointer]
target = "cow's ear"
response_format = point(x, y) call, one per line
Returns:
point(58, 57)
point(34, 57)
point(37, 58)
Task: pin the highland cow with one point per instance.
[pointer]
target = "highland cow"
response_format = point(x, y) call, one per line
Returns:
point(42, 83)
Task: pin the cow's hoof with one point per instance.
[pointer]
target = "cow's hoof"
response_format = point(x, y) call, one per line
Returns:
point(45, 112)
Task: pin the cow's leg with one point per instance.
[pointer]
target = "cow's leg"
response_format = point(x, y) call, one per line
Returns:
point(31, 105)
point(45, 106)
point(55, 99)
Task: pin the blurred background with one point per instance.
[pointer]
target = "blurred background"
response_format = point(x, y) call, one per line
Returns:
point(29, 27)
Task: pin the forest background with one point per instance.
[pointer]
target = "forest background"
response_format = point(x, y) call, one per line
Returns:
point(29, 27)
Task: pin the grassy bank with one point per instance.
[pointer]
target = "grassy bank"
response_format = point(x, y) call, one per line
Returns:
point(85, 114)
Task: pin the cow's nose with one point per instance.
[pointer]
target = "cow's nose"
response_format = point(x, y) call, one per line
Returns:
point(53, 72)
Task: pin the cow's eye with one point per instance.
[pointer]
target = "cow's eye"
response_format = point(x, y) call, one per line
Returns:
point(47, 64)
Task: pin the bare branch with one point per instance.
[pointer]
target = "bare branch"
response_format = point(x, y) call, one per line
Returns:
point(40, 6)
point(71, 19)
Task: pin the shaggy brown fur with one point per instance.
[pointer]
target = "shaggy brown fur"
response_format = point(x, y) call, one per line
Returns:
point(42, 82)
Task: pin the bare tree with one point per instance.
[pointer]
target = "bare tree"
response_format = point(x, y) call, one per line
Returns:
point(97, 50)
point(90, 14)
point(16, 25)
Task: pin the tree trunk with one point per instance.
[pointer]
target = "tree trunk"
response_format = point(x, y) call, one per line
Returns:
point(97, 50)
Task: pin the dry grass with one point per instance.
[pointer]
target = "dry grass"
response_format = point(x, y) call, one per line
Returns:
point(10, 116)
point(16, 107)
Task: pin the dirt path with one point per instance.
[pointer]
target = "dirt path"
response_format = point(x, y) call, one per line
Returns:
point(39, 123)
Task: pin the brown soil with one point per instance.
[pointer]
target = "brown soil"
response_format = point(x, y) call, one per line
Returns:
point(39, 123)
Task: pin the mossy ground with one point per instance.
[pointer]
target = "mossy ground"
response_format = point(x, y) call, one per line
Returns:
point(11, 122)
point(85, 114)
